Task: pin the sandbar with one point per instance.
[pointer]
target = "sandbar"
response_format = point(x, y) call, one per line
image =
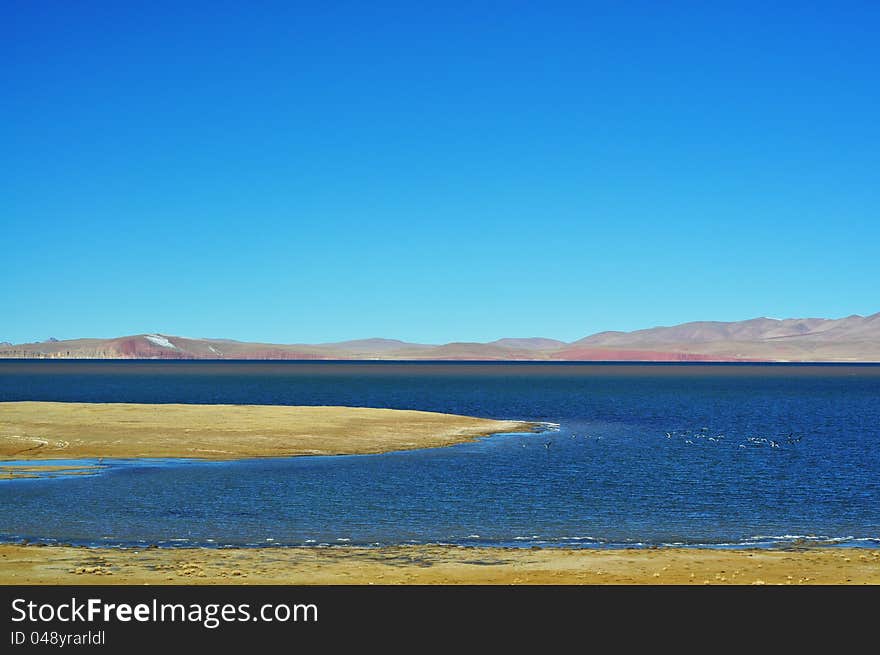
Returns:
point(52, 430)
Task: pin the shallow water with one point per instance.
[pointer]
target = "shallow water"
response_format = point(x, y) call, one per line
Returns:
point(643, 454)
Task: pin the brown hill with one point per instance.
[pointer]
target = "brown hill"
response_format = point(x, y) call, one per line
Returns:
point(532, 343)
point(854, 338)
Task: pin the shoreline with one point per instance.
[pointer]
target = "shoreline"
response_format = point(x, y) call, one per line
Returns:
point(435, 565)
point(32, 431)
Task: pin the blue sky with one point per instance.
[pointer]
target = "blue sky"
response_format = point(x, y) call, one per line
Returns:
point(309, 172)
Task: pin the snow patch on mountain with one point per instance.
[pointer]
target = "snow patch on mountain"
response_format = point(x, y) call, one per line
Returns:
point(159, 340)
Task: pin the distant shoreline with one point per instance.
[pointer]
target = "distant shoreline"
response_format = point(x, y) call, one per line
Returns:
point(390, 362)
point(853, 338)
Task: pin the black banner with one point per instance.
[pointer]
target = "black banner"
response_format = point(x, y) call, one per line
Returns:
point(115, 618)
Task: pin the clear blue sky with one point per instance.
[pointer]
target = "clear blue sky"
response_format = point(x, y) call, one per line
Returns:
point(308, 172)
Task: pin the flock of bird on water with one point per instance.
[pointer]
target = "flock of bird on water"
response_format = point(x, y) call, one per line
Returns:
point(692, 436)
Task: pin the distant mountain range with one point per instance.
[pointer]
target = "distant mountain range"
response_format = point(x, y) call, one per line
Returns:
point(850, 339)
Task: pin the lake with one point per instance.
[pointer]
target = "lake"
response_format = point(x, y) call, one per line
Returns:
point(718, 455)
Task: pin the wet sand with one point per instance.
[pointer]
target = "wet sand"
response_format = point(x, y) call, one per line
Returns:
point(15, 471)
point(47, 430)
point(48, 565)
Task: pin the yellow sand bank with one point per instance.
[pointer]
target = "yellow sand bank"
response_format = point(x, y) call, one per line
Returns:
point(43, 430)
point(434, 565)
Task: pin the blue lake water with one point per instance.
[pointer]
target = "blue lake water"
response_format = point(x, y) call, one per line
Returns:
point(694, 454)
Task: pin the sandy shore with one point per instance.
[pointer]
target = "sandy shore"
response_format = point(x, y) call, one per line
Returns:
point(434, 565)
point(44, 430)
